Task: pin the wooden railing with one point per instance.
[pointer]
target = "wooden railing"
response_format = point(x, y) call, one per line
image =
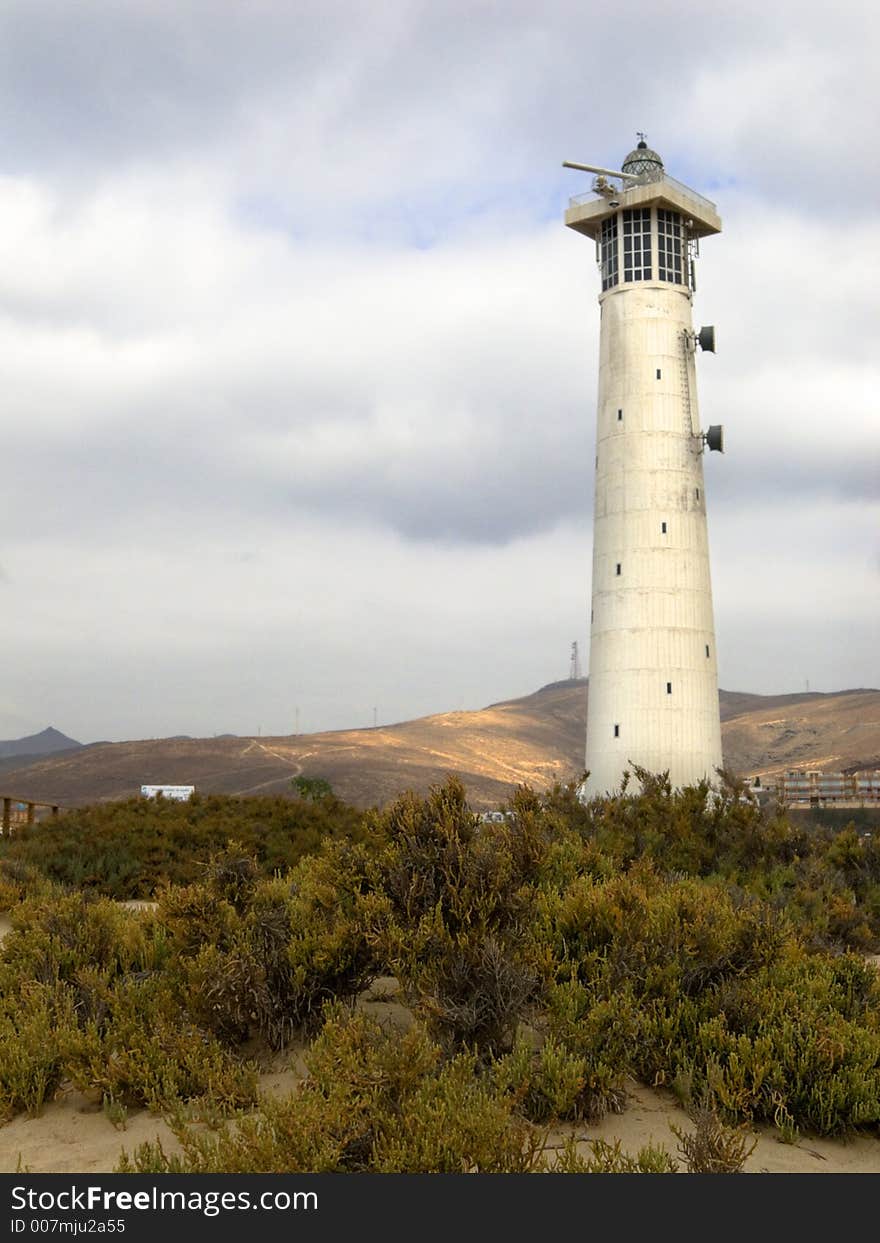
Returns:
point(29, 804)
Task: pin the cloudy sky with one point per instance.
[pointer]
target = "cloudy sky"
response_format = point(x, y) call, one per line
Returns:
point(298, 361)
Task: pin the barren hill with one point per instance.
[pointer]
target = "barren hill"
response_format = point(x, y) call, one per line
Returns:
point(45, 743)
point(534, 739)
point(827, 732)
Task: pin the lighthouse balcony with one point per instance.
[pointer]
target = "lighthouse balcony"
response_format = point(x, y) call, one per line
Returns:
point(587, 211)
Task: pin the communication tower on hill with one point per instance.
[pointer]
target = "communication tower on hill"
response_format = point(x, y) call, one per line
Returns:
point(653, 676)
point(574, 667)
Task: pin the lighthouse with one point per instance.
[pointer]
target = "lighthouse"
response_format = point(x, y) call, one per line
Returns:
point(653, 690)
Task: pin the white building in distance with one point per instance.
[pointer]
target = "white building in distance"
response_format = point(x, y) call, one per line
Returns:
point(178, 794)
point(653, 696)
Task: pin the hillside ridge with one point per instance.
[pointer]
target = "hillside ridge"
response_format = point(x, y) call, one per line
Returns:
point(534, 739)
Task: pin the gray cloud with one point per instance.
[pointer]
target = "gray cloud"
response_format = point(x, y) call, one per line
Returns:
point(103, 82)
point(322, 106)
point(299, 362)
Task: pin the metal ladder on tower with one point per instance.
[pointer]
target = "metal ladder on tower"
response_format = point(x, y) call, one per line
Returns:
point(685, 380)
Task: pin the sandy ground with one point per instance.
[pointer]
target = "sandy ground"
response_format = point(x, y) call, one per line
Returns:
point(73, 1135)
point(650, 1113)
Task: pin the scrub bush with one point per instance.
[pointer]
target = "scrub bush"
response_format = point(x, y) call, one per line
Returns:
point(129, 849)
point(88, 995)
point(684, 938)
point(608, 1159)
point(32, 1029)
point(20, 880)
point(712, 1147)
point(53, 937)
point(374, 1100)
point(295, 945)
point(461, 898)
point(546, 1083)
point(137, 1047)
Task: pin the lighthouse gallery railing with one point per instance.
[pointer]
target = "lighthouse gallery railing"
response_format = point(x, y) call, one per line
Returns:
point(697, 199)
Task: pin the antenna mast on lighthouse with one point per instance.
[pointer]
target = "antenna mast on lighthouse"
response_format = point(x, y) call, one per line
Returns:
point(574, 668)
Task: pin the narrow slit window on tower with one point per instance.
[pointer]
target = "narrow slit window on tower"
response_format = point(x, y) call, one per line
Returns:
point(668, 688)
point(637, 244)
point(658, 373)
point(620, 416)
point(618, 567)
point(698, 493)
point(663, 528)
point(707, 650)
point(616, 731)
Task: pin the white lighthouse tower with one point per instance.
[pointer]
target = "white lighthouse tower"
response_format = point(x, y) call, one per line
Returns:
point(653, 691)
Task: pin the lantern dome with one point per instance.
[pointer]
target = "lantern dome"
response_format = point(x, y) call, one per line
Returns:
point(643, 162)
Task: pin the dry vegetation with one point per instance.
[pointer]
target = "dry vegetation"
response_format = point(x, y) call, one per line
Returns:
point(677, 937)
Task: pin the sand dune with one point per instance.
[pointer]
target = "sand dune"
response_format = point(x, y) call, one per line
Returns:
point(72, 1135)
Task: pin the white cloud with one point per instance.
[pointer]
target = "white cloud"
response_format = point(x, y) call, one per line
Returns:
point(319, 616)
point(299, 362)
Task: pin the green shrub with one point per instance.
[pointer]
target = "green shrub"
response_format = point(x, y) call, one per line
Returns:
point(314, 788)
point(20, 880)
point(712, 1147)
point(130, 849)
point(295, 945)
point(609, 1159)
point(196, 915)
point(463, 1127)
point(472, 991)
point(546, 1083)
point(141, 1050)
point(684, 937)
point(53, 936)
point(33, 1027)
point(461, 896)
point(374, 1100)
point(89, 994)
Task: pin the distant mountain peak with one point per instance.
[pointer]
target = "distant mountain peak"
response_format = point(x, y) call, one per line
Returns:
point(46, 742)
